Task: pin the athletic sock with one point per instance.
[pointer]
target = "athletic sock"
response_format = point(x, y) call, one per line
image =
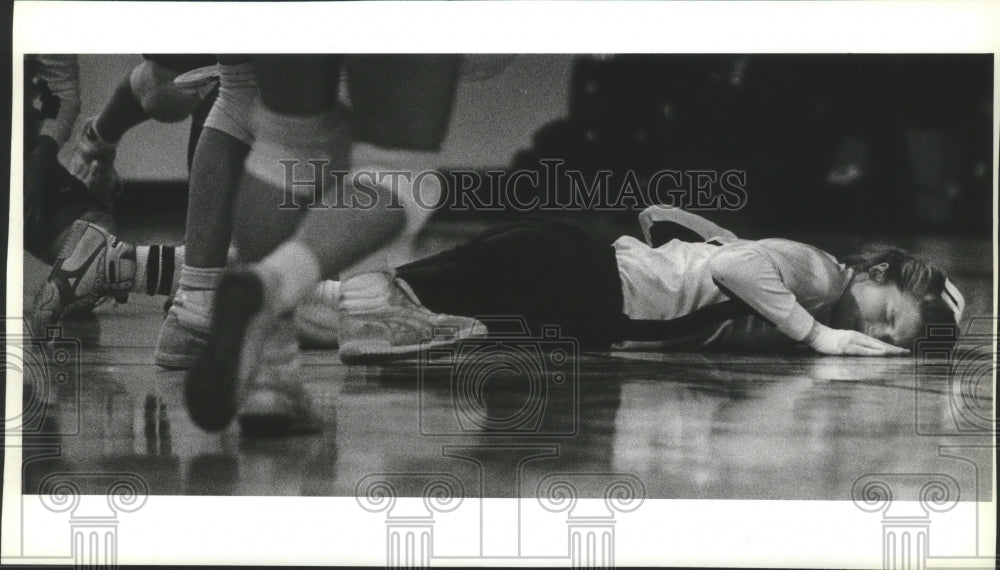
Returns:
point(290, 274)
point(155, 269)
point(327, 292)
point(365, 292)
point(196, 294)
point(199, 278)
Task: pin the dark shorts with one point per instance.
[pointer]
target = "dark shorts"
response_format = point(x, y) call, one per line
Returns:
point(181, 62)
point(545, 273)
point(402, 101)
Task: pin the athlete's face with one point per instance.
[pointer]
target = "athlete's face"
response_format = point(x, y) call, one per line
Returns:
point(879, 309)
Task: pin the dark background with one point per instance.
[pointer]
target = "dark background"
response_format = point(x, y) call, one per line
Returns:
point(873, 144)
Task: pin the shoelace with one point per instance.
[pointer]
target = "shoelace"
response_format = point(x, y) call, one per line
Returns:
point(405, 287)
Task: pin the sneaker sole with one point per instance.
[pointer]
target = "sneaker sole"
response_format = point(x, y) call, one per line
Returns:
point(368, 353)
point(212, 385)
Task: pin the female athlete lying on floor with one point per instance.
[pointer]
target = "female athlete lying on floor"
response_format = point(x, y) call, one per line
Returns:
point(693, 285)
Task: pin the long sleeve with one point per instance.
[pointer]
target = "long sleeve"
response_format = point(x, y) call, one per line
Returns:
point(749, 272)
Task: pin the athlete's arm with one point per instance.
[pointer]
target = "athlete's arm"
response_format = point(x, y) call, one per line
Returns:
point(825, 340)
point(746, 271)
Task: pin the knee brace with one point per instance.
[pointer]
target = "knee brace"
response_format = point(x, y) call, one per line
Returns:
point(167, 97)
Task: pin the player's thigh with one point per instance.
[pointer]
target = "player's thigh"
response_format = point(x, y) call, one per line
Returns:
point(260, 222)
point(402, 100)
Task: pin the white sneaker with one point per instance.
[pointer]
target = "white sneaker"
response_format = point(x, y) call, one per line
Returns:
point(92, 265)
point(387, 322)
point(93, 163)
point(184, 332)
point(276, 402)
point(317, 319)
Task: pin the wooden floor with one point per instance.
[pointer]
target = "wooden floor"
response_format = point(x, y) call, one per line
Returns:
point(691, 426)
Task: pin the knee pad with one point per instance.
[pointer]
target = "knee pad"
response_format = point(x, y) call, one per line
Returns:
point(165, 99)
point(232, 111)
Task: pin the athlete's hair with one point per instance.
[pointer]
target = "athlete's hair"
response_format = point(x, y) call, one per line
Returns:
point(911, 275)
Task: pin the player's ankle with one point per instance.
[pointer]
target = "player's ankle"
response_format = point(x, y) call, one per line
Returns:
point(366, 291)
point(199, 278)
point(290, 274)
point(154, 270)
point(193, 307)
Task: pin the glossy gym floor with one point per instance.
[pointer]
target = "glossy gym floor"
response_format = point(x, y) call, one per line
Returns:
point(687, 425)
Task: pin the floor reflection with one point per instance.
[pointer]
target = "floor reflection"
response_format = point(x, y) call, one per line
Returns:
point(688, 426)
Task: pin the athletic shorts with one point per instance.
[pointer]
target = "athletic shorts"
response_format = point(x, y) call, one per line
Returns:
point(181, 62)
point(232, 108)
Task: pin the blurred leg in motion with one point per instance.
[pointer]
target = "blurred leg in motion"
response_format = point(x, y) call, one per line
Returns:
point(165, 88)
point(401, 107)
point(216, 170)
point(251, 366)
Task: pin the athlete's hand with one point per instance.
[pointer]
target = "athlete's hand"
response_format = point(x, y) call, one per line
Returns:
point(825, 340)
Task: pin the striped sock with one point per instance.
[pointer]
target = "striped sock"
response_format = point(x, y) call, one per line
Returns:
point(156, 269)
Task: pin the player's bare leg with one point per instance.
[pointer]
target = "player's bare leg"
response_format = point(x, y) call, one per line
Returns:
point(151, 91)
point(216, 170)
point(250, 368)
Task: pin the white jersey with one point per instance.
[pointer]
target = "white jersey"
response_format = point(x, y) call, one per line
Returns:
point(777, 288)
